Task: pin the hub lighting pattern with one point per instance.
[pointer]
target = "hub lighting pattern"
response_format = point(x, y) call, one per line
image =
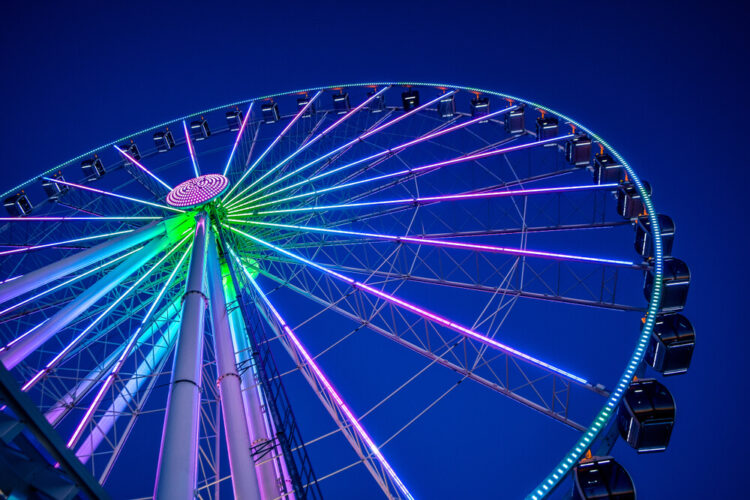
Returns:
point(198, 191)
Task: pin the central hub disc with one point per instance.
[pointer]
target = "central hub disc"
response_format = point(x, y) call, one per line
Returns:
point(198, 191)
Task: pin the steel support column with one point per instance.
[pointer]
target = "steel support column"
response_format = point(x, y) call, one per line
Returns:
point(259, 422)
point(28, 343)
point(178, 457)
point(244, 478)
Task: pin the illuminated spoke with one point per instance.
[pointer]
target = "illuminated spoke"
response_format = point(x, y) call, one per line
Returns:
point(326, 385)
point(139, 165)
point(114, 372)
point(449, 244)
point(29, 248)
point(93, 218)
point(431, 199)
point(358, 139)
point(307, 145)
point(417, 310)
point(191, 149)
point(289, 125)
point(114, 195)
point(424, 168)
point(56, 360)
point(239, 136)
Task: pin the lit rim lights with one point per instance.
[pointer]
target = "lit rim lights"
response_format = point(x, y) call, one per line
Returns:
point(198, 191)
point(605, 414)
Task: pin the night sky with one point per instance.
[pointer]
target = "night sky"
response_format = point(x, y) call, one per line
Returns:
point(663, 82)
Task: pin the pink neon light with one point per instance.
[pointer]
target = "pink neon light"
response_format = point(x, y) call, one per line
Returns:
point(189, 143)
point(197, 191)
point(139, 165)
point(416, 309)
point(354, 422)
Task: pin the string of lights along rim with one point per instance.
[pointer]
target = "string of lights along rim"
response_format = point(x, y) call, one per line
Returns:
point(325, 292)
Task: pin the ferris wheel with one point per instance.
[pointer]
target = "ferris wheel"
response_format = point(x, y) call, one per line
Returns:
point(174, 304)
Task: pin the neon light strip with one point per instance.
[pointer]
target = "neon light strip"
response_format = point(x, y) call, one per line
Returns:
point(193, 156)
point(309, 143)
point(47, 245)
point(114, 304)
point(353, 421)
point(239, 136)
point(449, 244)
point(435, 199)
point(416, 309)
point(114, 372)
point(56, 287)
point(361, 137)
point(139, 165)
point(277, 139)
point(431, 166)
point(60, 219)
point(108, 193)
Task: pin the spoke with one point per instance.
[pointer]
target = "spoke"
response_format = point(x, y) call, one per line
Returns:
point(306, 145)
point(114, 195)
point(53, 363)
point(448, 244)
point(114, 373)
point(270, 147)
point(191, 148)
point(323, 379)
point(423, 168)
point(239, 136)
point(62, 285)
point(139, 165)
point(430, 199)
point(417, 310)
point(98, 217)
point(389, 152)
point(60, 243)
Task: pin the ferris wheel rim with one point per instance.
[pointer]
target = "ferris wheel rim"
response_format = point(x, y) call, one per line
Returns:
point(608, 410)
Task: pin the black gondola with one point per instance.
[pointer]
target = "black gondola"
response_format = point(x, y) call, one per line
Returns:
point(301, 103)
point(18, 205)
point(606, 169)
point(447, 106)
point(644, 239)
point(629, 202)
point(675, 285)
point(672, 342)
point(515, 120)
point(93, 168)
point(164, 141)
point(601, 478)
point(341, 103)
point(234, 120)
point(646, 415)
point(270, 112)
point(199, 130)
point(480, 106)
point(578, 151)
point(377, 104)
point(410, 99)
point(53, 189)
point(546, 128)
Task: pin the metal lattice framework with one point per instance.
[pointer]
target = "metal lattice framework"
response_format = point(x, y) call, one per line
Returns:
point(410, 210)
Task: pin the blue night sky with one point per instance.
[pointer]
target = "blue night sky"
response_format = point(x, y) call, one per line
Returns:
point(652, 78)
